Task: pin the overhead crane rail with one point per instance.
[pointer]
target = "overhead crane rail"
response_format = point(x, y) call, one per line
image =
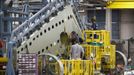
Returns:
point(120, 4)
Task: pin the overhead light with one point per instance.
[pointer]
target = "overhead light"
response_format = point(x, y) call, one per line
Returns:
point(99, 8)
point(81, 0)
point(106, 0)
point(81, 11)
point(86, 4)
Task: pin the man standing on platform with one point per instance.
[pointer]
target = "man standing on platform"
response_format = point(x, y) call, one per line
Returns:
point(77, 50)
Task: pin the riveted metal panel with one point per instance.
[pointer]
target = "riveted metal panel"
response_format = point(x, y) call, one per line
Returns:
point(41, 41)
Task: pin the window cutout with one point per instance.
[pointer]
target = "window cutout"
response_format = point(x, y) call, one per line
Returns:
point(52, 26)
point(38, 52)
point(21, 49)
point(43, 50)
point(56, 24)
point(47, 48)
point(62, 21)
point(68, 17)
point(33, 38)
point(51, 45)
point(58, 41)
point(71, 16)
point(48, 28)
point(37, 36)
point(18, 52)
point(30, 43)
point(26, 46)
point(45, 30)
point(59, 22)
point(41, 33)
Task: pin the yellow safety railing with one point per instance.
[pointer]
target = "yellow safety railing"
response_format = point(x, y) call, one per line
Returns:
point(75, 67)
point(93, 53)
point(96, 53)
point(3, 59)
point(3, 62)
point(113, 57)
point(78, 67)
point(96, 36)
point(109, 53)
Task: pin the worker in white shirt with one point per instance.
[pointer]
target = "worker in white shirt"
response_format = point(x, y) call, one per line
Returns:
point(77, 51)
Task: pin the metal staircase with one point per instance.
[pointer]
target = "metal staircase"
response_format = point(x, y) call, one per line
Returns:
point(81, 24)
point(35, 20)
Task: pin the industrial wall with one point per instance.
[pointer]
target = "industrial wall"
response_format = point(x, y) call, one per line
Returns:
point(127, 30)
point(127, 24)
point(101, 17)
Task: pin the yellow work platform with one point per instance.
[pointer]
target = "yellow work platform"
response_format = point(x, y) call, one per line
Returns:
point(74, 67)
point(3, 59)
point(121, 4)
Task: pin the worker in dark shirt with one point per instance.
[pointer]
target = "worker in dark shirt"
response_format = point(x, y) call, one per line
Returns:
point(94, 26)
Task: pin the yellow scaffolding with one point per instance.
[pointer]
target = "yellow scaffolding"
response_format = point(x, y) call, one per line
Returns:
point(75, 67)
point(96, 36)
point(3, 59)
point(3, 62)
point(99, 49)
point(78, 67)
point(96, 53)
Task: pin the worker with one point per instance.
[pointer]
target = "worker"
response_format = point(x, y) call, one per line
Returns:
point(74, 36)
point(94, 26)
point(77, 50)
point(1, 47)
